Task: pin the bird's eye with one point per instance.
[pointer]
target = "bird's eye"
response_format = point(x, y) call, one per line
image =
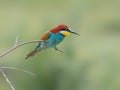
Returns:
point(68, 30)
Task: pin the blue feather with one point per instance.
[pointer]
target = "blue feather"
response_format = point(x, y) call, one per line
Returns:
point(51, 42)
point(54, 40)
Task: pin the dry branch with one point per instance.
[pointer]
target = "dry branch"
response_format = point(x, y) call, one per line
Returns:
point(13, 68)
point(7, 80)
point(16, 46)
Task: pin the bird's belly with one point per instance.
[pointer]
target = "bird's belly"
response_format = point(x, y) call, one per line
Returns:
point(41, 46)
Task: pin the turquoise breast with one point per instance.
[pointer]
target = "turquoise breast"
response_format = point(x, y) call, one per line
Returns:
point(54, 40)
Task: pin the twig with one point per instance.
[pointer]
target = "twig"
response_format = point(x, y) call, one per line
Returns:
point(6, 78)
point(18, 45)
point(13, 68)
point(16, 41)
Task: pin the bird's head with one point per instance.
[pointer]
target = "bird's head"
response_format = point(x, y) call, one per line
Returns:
point(64, 29)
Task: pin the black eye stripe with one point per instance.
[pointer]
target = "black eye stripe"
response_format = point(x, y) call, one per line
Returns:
point(63, 29)
point(67, 29)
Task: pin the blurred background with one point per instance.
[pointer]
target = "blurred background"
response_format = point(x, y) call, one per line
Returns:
point(91, 61)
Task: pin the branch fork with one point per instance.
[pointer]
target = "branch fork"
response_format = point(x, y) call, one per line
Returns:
point(16, 45)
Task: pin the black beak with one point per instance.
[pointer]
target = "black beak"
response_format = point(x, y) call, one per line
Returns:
point(73, 32)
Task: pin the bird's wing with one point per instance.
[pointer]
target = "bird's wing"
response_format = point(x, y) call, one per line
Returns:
point(46, 36)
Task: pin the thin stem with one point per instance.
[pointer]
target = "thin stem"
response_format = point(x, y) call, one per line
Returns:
point(16, 46)
point(6, 78)
point(30, 73)
point(16, 41)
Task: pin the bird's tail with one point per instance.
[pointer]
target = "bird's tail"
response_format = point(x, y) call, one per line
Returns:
point(32, 53)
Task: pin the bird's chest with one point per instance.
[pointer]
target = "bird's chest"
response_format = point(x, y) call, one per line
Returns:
point(54, 40)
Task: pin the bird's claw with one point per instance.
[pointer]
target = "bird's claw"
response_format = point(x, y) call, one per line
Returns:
point(59, 50)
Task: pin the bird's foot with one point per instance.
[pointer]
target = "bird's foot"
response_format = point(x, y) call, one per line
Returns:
point(59, 50)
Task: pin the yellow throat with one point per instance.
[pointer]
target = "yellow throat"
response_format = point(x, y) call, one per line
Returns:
point(65, 33)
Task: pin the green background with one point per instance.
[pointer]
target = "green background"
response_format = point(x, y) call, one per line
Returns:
point(91, 61)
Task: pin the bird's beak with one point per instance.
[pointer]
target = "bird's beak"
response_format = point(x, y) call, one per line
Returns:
point(73, 32)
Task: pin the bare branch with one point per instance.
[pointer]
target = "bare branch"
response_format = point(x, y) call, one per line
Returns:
point(6, 78)
point(13, 68)
point(18, 45)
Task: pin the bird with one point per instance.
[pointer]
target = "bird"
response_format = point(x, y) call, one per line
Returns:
point(52, 38)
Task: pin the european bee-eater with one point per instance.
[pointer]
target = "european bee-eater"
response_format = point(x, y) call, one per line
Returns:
point(52, 38)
